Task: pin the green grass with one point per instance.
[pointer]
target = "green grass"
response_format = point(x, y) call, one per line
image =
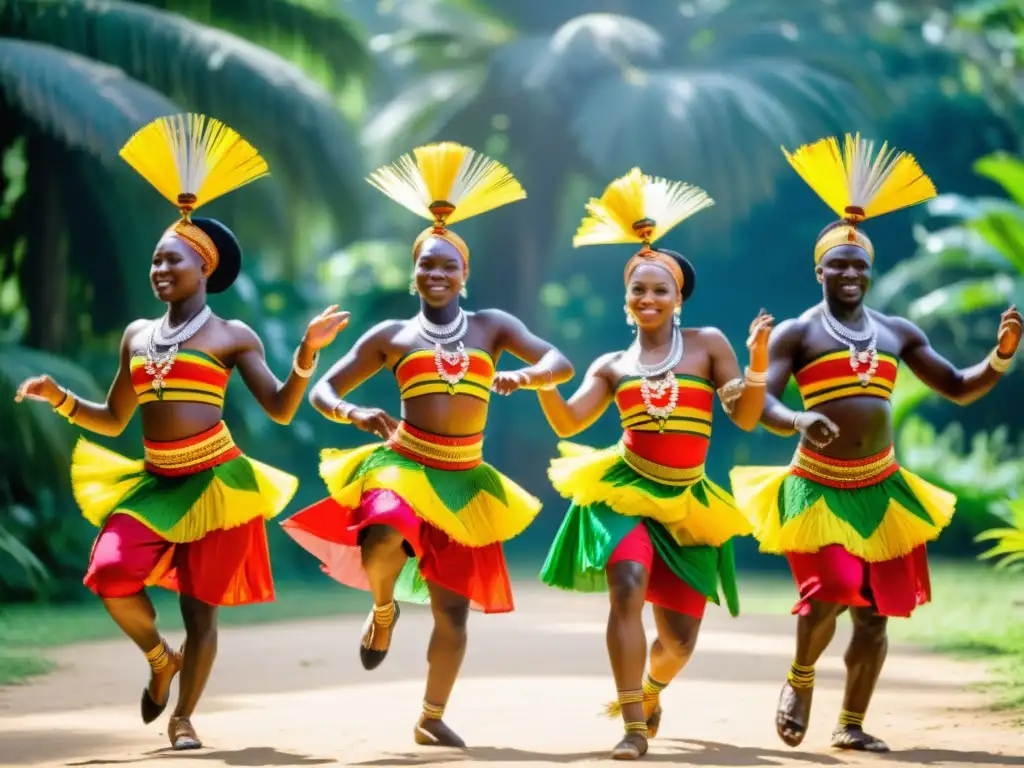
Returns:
point(976, 612)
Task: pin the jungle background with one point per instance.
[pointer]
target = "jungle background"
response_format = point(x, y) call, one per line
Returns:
point(568, 94)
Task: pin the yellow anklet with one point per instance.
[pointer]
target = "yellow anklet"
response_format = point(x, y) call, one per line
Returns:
point(432, 711)
point(157, 657)
point(801, 676)
point(638, 727)
point(849, 719)
point(384, 615)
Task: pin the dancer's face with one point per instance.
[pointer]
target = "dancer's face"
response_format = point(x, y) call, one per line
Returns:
point(845, 272)
point(651, 296)
point(438, 272)
point(176, 271)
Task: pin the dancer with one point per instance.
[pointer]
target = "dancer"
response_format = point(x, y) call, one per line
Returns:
point(421, 518)
point(645, 522)
point(851, 522)
point(190, 516)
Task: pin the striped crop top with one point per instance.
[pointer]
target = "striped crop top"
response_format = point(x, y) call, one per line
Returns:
point(680, 437)
point(832, 377)
point(423, 372)
point(194, 377)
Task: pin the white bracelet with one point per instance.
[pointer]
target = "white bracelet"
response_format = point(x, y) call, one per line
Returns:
point(755, 378)
point(999, 364)
point(304, 373)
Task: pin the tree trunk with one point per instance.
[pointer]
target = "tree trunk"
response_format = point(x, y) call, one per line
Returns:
point(44, 273)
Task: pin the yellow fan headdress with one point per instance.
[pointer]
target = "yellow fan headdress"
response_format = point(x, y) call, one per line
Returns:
point(192, 159)
point(637, 208)
point(445, 183)
point(858, 185)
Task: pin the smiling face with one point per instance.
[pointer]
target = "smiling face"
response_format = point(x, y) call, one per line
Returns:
point(845, 271)
point(652, 296)
point(177, 271)
point(438, 272)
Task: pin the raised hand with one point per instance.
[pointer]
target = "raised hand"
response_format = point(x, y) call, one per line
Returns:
point(323, 328)
point(818, 429)
point(757, 340)
point(507, 382)
point(1010, 323)
point(41, 388)
point(375, 421)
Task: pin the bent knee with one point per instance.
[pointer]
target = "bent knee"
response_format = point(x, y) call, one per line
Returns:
point(627, 587)
point(451, 616)
point(869, 626)
point(114, 579)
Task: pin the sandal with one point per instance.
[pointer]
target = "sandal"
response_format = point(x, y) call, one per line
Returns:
point(384, 616)
point(438, 734)
point(790, 729)
point(182, 734)
point(159, 659)
point(633, 745)
point(856, 740)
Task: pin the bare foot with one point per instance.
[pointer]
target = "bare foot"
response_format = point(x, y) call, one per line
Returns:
point(793, 712)
point(853, 738)
point(156, 694)
point(434, 733)
point(632, 747)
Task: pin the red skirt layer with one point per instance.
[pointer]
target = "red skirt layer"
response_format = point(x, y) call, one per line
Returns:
point(832, 575)
point(226, 567)
point(333, 533)
point(664, 588)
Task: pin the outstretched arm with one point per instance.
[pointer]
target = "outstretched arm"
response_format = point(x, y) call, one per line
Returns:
point(281, 401)
point(107, 418)
point(366, 357)
point(743, 398)
point(585, 406)
point(547, 366)
point(962, 386)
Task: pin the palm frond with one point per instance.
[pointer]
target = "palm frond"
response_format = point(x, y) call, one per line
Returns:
point(302, 31)
point(716, 127)
point(966, 296)
point(1009, 547)
point(268, 99)
point(82, 103)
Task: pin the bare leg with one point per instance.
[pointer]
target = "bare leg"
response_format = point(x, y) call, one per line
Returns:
point(864, 659)
point(627, 650)
point(136, 617)
point(383, 559)
point(813, 634)
point(200, 651)
point(670, 651)
point(444, 657)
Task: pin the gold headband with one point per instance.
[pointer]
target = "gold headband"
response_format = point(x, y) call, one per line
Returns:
point(845, 234)
point(198, 240)
point(443, 233)
point(648, 256)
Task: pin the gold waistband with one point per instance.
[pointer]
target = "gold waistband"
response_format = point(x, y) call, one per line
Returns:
point(437, 450)
point(660, 473)
point(205, 449)
point(845, 472)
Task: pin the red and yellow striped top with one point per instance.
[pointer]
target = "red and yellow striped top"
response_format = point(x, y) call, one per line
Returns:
point(194, 377)
point(417, 375)
point(682, 439)
point(830, 377)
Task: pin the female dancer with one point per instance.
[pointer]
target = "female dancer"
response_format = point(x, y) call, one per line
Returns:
point(190, 516)
point(645, 522)
point(426, 493)
point(852, 524)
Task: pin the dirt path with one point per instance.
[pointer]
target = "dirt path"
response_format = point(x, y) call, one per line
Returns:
point(532, 685)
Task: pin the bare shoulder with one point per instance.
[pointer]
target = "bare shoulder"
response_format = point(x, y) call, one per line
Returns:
point(708, 337)
point(133, 334)
point(793, 330)
point(241, 334)
point(905, 330)
point(498, 319)
point(605, 364)
point(383, 332)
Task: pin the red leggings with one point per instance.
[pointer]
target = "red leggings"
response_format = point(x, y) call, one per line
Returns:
point(664, 588)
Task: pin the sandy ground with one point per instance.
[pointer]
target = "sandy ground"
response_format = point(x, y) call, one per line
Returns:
point(530, 694)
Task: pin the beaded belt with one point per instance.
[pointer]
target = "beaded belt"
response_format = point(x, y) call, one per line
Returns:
point(839, 473)
point(660, 473)
point(438, 451)
point(192, 454)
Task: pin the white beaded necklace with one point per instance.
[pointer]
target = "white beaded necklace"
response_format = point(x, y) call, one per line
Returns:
point(450, 333)
point(158, 364)
point(851, 339)
point(652, 387)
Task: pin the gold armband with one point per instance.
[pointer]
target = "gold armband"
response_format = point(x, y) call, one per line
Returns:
point(730, 392)
point(67, 406)
point(999, 364)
